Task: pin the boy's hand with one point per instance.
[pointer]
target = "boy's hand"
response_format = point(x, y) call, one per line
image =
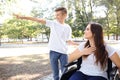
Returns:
point(17, 16)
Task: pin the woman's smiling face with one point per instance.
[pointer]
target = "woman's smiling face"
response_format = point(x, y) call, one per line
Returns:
point(87, 33)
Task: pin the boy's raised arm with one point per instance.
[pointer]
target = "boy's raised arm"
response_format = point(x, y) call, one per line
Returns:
point(42, 21)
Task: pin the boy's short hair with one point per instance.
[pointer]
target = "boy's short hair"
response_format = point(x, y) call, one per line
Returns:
point(63, 9)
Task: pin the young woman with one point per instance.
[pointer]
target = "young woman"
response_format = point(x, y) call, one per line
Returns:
point(95, 54)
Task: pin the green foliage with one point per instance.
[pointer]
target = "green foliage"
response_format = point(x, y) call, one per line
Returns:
point(80, 12)
point(112, 19)
point(19, 29)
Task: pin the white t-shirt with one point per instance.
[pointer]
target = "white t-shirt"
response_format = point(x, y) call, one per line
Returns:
point(59, 34)
point(89, 67)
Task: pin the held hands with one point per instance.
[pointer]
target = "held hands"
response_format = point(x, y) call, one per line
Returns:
point(88, 50)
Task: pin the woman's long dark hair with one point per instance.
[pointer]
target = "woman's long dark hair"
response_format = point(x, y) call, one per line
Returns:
point(101, 54)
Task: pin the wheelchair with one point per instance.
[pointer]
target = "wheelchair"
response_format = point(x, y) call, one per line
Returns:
point(74, 66)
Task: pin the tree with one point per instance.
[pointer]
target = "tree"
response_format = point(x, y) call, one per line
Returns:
point(79, 16)
point(112, 16)
point(19, 29)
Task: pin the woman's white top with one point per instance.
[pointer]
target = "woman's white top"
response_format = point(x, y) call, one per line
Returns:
point(89, 67)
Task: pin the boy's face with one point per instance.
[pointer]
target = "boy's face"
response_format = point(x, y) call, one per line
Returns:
point(60, 16)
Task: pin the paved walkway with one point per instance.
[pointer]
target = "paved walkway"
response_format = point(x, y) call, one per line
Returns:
point(49, 77)
point(23, 49)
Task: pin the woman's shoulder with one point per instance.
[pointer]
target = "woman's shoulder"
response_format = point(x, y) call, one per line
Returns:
point(107, 45)
point(81, 45)
point(110, 49)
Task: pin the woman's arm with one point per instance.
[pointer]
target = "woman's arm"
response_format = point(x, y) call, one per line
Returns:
point(74, 55)
point(116, 60)
point(77, 53)
point(42, 21)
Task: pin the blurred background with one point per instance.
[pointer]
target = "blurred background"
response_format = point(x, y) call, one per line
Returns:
point(80, 12)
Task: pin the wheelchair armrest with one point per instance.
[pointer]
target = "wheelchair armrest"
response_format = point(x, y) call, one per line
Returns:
point(114, 74)
point(114, 70)
point(70, 64)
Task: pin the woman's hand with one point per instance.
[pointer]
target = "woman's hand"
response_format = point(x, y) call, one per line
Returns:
point(88, 50)
point(77, 53)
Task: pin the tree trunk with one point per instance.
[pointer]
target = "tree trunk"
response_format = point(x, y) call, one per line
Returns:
point(108, 36)
point(116, 36)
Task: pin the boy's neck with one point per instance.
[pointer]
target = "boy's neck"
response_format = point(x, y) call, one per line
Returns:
point(61, 22)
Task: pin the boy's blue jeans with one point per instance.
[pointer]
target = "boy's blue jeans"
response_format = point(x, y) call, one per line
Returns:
point(55, 57)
